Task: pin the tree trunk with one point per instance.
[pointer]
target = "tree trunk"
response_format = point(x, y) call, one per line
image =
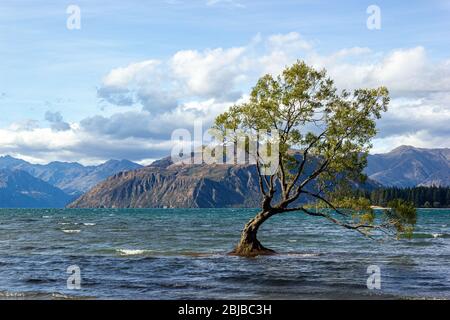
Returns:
point(249, 246)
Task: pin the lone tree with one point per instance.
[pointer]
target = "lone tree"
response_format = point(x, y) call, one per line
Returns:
point(323, 140)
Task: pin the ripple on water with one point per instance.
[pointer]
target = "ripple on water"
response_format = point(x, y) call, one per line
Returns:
point(169, 254)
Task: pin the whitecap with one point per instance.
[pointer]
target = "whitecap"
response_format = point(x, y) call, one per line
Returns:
point(89, 224)
point(303, 255)
point(68, 223)
point(71, 231)
point(292, 240)
point(12, 294)
point(437, 235)
point(131, 252)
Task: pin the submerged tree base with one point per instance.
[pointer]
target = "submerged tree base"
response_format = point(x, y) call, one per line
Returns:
point(249, 245)
point(251, 250)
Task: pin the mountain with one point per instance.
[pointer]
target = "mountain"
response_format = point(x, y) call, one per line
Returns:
point(72, 178)
point(165, 184)
point(18, 189)
point(408, 166)
point(175, 186)
point(124, 184)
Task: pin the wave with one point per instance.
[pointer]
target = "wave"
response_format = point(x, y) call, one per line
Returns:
point(12, 295)
point(430, 235)
point(32, 295)
point(155, 253)
point(301, 255)
point(132, 252)
point(87, 224)
point(71, 231)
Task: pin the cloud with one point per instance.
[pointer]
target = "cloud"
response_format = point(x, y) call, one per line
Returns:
point(56, 121)
point(25, 125)
point(42, 145)
point(422, 122)
point(135, 72)
point(144, 125)
point(139, 83)
point(403, 71)
point(196, 85)
point(418, 85)
point(419, 139)
point(289, 42)
point(408, 116)
point(223, 74)
point(211, 73)
point(115, 95)
point(190, 74)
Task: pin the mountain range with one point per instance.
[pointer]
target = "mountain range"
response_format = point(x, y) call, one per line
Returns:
point(54, 185)
point(164, 184)
point(408, 166)
point(19, 189)
point(71, 177)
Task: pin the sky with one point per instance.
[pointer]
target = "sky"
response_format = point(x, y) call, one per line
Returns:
point(118, 84)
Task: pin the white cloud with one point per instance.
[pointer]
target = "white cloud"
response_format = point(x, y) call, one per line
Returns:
point(188, 75)
point(211, 73)
point(419, 139)
point(136, 72)
point(291, 42)
point(404, 71)
point(25, 125)
point(199, 84)
point(223, 74)
point(43, 145)
point(280, 50)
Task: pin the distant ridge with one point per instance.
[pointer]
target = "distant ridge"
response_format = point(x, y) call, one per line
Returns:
point(408, 166)
point(122, 183)
point(165, 184)
point(18, 189)
point(71, 177)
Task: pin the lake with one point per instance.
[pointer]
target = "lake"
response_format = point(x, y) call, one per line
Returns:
point(181, 254)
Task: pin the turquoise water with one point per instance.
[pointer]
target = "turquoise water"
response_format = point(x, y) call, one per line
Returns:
point(181, 254)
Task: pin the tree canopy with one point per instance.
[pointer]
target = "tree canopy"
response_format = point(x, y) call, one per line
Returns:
point(323, 138)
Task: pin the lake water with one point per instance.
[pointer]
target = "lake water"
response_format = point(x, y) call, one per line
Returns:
point(181, 254)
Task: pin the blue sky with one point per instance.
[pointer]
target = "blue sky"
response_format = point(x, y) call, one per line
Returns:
point(138, 69)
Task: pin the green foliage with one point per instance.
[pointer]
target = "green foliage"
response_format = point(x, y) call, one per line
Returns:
point(302, 98)
point(324, 138)
point(358, 208)
point(403, 216)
